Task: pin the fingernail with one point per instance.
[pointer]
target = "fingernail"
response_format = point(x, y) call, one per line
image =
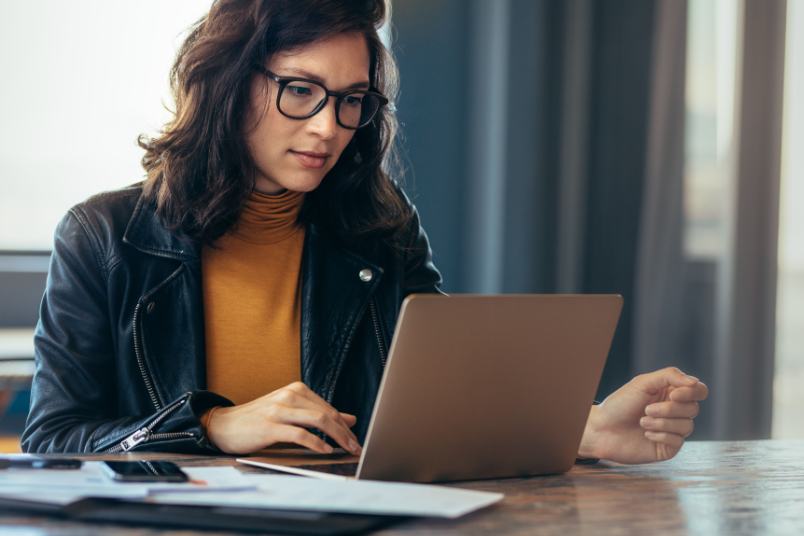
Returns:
point(651, 410)
point(650, 435)
point(690, 380)
point(328, 448)
point(354, 447)
point(646, 422)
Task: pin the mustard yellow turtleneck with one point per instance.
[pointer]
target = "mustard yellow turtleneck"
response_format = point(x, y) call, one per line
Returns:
point(252, 300)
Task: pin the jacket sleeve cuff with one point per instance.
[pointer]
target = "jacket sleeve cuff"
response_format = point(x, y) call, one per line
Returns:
point(203, 401)
point(177, 427)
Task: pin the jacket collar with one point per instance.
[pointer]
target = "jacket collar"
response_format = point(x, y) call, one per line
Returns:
point(147, 232)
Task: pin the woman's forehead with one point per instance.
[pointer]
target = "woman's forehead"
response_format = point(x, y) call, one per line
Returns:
point(340, 60)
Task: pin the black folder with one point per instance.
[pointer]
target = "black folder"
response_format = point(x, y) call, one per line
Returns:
point(262, 520)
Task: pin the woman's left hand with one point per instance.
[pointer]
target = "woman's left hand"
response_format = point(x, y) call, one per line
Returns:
point(644, 421)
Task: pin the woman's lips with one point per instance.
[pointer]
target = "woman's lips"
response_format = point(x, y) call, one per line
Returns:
point(311, 160)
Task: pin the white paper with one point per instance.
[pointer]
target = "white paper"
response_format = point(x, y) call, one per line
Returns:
point(91, 481)
point(63, 499)
point(346, 496)
point(296, 470)
point(207, 479)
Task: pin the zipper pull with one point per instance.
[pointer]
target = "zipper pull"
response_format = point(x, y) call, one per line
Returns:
point(135, 439)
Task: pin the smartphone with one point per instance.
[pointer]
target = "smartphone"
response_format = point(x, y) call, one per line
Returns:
point(144, 471)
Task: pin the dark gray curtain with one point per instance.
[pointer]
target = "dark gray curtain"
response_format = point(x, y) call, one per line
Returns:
point(659, 294)
point(746, 298)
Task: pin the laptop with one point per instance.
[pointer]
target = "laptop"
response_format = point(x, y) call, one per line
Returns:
point(476, 387)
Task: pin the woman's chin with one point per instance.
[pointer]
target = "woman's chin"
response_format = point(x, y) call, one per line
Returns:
point(300, 182)
point(306, 184)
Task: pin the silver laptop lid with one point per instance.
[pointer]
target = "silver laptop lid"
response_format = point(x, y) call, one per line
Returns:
point(487, 386)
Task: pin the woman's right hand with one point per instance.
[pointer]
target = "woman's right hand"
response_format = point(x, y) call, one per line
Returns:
point(281, 416)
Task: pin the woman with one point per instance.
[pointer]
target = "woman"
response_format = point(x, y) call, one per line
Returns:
point(250, 285)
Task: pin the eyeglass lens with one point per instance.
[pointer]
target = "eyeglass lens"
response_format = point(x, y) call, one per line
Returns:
point(299, 99)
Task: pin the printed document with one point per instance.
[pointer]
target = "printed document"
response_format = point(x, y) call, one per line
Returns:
point(344, 496)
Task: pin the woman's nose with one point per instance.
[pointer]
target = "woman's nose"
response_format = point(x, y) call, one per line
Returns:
point(324, 123)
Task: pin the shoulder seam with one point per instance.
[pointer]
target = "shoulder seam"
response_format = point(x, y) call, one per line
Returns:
point(93, 240)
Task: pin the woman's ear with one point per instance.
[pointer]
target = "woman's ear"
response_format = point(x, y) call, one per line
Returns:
point(353, 151)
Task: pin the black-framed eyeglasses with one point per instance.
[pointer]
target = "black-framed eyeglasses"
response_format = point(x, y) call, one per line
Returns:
point(300, 98)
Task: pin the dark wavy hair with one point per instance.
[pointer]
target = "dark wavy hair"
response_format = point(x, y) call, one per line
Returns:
point(199, 170)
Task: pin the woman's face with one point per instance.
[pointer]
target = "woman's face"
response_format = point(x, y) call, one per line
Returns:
point(293, 154)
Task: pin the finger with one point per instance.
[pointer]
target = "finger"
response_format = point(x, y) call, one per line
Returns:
point(673, 410)
point(317, 416)
point(322, 421)
point(350, 420)
point(292, 398)
point(671, 440)
point(682, 427)
point(302, 390)
point(661, 379)
point(293, 434)
point(685, 394)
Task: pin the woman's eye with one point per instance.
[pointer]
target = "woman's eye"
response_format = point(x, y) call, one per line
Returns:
point(353, 100)
point(300, 90)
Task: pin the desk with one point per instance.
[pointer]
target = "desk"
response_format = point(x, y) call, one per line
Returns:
point(747, 487)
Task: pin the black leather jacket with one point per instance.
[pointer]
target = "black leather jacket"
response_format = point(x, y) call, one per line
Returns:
point(120, 358)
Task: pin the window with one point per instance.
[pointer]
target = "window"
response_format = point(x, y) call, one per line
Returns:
point(789, 374)
point(711, 61)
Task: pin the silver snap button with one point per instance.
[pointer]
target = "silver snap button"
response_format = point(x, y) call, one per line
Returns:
point(151, 307)
point(366, 275)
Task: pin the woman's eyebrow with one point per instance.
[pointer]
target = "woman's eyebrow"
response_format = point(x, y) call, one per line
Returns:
point(306, 74)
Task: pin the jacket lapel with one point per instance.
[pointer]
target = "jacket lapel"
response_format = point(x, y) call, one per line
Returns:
point(334, 299)
point(169, 326)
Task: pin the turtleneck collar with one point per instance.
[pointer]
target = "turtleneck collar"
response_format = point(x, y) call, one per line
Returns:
point(267, 219)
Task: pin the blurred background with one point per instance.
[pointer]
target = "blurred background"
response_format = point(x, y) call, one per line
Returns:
point(650, 148)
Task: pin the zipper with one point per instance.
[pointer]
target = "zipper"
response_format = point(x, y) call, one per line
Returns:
point(376, 318)
point(144, 434)
point(141, 361)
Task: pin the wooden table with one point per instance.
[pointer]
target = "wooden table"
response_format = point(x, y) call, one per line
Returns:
point(746, 487)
